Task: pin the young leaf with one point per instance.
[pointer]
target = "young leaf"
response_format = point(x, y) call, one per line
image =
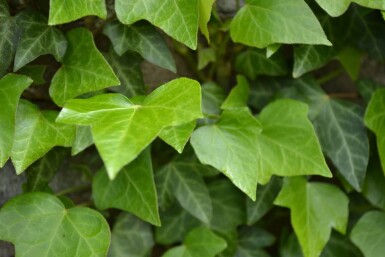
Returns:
point(238, 96)
point(64, 11)
point(84, 69)
point(132, 127)
point(127, 69)
point(368, 234)
point(375, 121)
point(133, 190)
point(252, 27)
point(337, 8)
point(200, 242)
point(264, 202)
point(36, 134)
point(314, 207)
point(179, 19)
point(11, 87)
point(130, 236)
point(178, 136)
point(38, 225)
point(205, 7)
point(8, 37)
point(253, 62)
point(37, 39)
point(142, 38)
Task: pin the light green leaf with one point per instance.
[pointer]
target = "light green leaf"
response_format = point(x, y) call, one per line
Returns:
point(128, 69)
point(39, 225)
point(205, 7)
point(133, 190)
point(130, 237)
point(375, 121)
point(351, 60)
point(374, 185)
point(179, 19)
point(205, 56)
point(37, 38)
point(84, 69)
point(259, 24)
point(314, 207)
point(212, 98)
point(176, 223)
point(200, 242)
point(35, 72)
point(36, 134)
point(252, 240)
point(253, 62)
point(178, 136)
point(337, 8)
point(272, 49)
point(11, 87)
point(64, 11)
point(83, 139)
point(383, 14)
point(238, 96)
point(121, 129)
point(8, 37)
point(369, 234)
point(143, 39)
point(264, 202)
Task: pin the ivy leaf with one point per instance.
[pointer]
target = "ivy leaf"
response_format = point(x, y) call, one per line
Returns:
point(272, 49)
point(37, 39)
point(368, 234)
point(340, 129)
point(178, 136)
point(36, 134)
point(179, 19)
point(339, 245)
point(252, 240)
point(264, 202)
point(253, 62)
point(130, 236)
point(131, 126)
point(337, 8)
point(375, 121)
point(304, 199)
point(366, 88)
point(374, 185)
point(83, 139)
point(212, 98)
point(8, 37)
point(200, 242)
point(35, 72)
point(64, 11)
point(265, 90)
point(205, 56)
point(351, 59)
point(142, 38)
point(238, 96)
point(133, 190)
point(11, 87)
point(205, 7)
point(288, 23)
point(84, 69)
point(38, 225)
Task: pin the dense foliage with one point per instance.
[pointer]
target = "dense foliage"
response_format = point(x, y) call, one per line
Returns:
point(275, 145)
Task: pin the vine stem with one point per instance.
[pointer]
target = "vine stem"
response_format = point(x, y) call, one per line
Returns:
point(74, 189)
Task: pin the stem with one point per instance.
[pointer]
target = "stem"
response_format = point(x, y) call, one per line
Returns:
point(329, 76)
point(74, 189)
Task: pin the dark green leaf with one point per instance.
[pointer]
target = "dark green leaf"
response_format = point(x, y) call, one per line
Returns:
point(35, 72)
point(8, 37)
point(339, 245)
point(252, 240)
point(374, 185)
point(367, 87)
point(212, 98)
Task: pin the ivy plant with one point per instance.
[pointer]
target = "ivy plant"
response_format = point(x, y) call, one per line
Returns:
point(271, 143)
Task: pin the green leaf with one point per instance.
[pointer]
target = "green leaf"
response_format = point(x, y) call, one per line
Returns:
point(128, 69)
point(264, 202)
point(351, 60)
point(35, 72)
point(176, 223)
point(374, 185)
point(37, 38)
point(143, 39)
point(131, 127)
point(272, 49)
point(252, 27)
point(133, 190)
point(130, 236)
point(178, 136)
point(366, 88)
point(337, 8)
point(179, 19)
point(314, 207)
point(205, 56)
point(11, 87)
point(253, 62)
point(40, 173)
point(64, 11)
point(83, 139)
point(200, 242)
point(205, 7)
point(265, 90)
point(375, 121)
point(38, 225)
point(84, 69)
point(368, 234)
point(36, 134)
point(238, 96)
point(212, 98)
point(339, 245)
point(8, 37)
point(340, 129)
point(252, 240)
